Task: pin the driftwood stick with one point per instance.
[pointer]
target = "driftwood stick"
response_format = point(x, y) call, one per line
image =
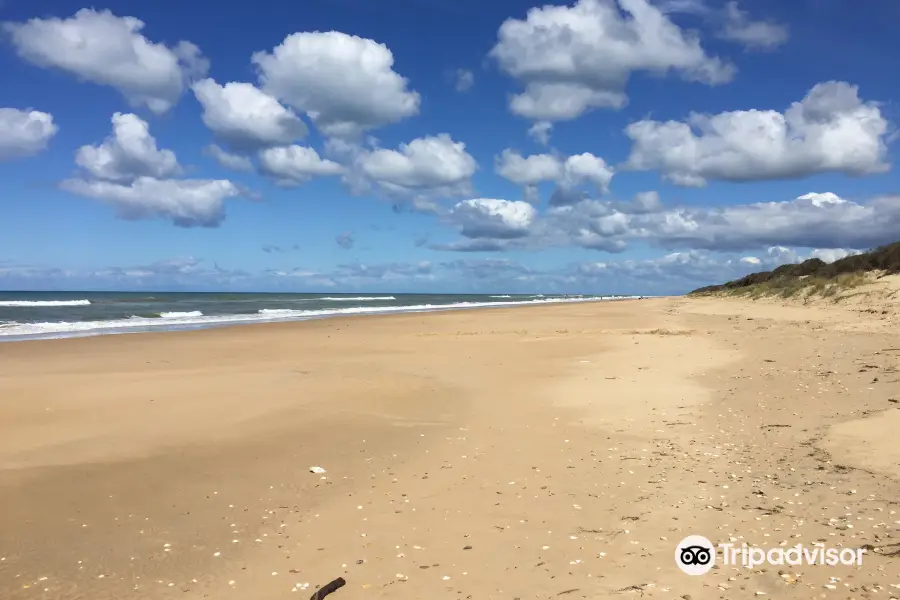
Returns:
point(328, 588)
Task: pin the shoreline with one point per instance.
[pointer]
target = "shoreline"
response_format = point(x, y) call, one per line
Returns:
point(233, 320)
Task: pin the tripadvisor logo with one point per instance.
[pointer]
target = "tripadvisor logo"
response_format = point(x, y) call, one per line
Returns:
point(696, 555)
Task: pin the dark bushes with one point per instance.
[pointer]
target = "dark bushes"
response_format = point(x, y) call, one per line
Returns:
point(885, 258)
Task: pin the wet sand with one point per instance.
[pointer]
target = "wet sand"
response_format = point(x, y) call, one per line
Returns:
point(532, 452)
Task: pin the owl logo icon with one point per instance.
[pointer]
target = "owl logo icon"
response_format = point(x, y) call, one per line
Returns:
point(695, 555)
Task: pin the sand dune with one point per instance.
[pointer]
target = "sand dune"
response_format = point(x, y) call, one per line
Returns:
point(539, 452)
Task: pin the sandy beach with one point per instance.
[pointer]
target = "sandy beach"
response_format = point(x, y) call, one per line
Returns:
point(557, 451)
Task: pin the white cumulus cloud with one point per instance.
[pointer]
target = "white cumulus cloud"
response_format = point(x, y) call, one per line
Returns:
point(128, 153)
point(187, 202)
point(345, 84)
point(226, 159)
point(754, 35)
point(528, 170)
point(129, 173)
point(105, 49)
point(24, 132)
point(491, 218)
point(830, 130)
point(567, 172)
point(243, 116)
point(293, 165)
point(572, 59)
point(430, 164)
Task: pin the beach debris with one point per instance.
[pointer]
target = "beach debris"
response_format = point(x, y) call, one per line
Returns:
point(328, 588)
point(317, 470)
point(633, 588)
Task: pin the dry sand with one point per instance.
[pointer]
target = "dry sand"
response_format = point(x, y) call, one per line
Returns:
point(540, 452)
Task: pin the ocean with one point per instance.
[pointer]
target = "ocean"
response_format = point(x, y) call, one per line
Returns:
point(42, 315)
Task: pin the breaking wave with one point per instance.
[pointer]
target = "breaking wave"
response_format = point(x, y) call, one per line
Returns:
point(37, 303)
point(356, 298)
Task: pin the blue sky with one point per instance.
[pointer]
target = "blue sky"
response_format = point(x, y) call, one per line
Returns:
point(416, 145)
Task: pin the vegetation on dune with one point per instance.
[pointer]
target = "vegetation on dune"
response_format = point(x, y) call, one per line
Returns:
point(813, 276)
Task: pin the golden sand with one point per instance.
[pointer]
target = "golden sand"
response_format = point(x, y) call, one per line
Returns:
point(532, 452)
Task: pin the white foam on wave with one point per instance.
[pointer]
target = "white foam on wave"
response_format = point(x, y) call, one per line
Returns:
point(36, 303)
point(275, 312)
point(180, 315)
point(199, 321)
point(355, 298)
